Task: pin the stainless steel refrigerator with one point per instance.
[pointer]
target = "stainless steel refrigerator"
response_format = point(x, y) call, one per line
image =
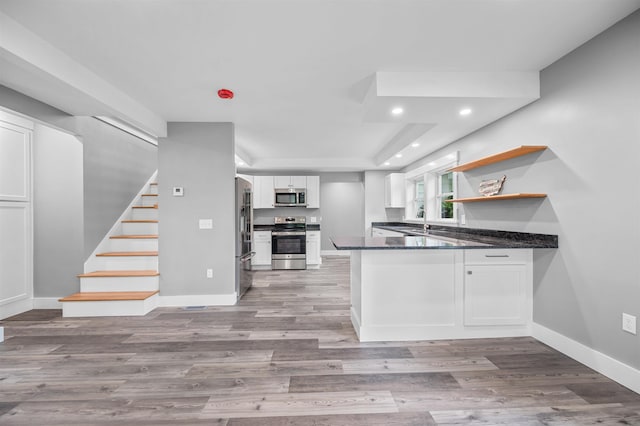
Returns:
point(244, 234)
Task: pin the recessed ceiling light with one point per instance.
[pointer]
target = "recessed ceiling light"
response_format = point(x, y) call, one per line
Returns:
point(386, 163)
point(433, 163)
point(415, 144)
point(398, 155)
point(465, 111)
point(241, 163)
point(397, 111)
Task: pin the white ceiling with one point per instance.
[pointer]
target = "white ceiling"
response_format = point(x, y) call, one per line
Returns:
point(302, 70)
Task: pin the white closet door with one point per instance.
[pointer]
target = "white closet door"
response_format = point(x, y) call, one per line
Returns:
point(16, 223)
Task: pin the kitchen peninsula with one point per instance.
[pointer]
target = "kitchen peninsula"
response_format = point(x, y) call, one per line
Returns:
point(441, 283)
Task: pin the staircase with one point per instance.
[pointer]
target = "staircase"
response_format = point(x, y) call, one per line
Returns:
point(122, 278)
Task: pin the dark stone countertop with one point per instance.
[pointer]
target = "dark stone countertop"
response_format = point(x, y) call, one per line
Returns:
point(313, 226)
point(444, 237)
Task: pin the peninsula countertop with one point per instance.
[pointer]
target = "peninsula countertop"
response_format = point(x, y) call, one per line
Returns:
point(444, 237)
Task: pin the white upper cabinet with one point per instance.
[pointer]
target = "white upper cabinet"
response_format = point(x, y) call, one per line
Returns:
point(290, 181)
point(394, 190)
point(313, 192)
point(263, 192)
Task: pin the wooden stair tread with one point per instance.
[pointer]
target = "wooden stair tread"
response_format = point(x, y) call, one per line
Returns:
point(140, 221)
point(133, 273)
point(149, 195)
point(108, 296)
point(128, 253)
point(153, 183)
point(135, 237)
point(145, 207)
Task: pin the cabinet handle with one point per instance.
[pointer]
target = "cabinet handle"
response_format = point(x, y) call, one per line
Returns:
point(496, 255)
point(469, 272)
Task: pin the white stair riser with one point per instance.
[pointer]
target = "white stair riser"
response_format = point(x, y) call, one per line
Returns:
point(91, 284)
point(130, 244)
point(149, 201)
point(123, 263)
point(129, 228)
point(110, 308)
point(153, 189)
point(144, 214)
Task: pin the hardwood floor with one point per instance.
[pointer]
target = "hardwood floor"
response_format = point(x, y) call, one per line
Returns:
point(286, 355)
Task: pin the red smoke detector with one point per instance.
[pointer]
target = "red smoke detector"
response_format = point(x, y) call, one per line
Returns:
point(225, 94)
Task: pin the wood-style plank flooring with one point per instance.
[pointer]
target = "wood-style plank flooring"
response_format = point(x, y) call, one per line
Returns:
point(286, 355)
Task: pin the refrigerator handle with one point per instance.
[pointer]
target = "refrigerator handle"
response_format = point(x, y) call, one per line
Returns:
point(247, 256)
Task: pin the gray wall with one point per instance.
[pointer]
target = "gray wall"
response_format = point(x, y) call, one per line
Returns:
point(58, 214)
point(26, 105)
point(200, 158)
point(116, 166)
point(341, 209)
point(588, 115)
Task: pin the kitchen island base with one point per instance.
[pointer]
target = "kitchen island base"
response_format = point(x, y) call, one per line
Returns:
point(405, 295)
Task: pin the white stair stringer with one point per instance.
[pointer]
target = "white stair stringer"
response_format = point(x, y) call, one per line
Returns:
point(116, 229)
point(110, 308)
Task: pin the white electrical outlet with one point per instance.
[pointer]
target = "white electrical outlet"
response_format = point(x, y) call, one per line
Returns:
point(209, 273)
point(629, 323)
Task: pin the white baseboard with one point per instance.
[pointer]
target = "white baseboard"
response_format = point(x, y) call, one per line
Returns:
point(335, 252)
point(47, 303)
point(615, 370)
point(199, 300)
point(14, 308)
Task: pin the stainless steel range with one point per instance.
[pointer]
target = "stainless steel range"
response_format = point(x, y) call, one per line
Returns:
point(289, 243)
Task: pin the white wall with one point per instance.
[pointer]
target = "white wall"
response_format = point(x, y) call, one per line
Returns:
point(589, 117)
point(58, 216)
point(374, 193)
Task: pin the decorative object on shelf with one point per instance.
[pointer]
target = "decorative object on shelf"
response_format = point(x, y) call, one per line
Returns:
point(492, 187)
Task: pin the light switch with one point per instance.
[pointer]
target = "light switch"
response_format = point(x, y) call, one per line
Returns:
point(178, 191)
point(206, 223)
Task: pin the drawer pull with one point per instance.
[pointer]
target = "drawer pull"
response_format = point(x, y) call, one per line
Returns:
point(496, 255)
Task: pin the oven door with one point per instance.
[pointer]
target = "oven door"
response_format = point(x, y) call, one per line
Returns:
point(288, 250)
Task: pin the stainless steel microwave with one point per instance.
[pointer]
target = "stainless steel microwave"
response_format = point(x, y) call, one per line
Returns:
point(290, 197)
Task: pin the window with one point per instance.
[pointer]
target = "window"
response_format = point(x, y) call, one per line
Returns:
point(418, 202)
point(445, 192)
point(429, 187)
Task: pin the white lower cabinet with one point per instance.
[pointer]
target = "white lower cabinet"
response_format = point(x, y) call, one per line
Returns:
point(497, 287)
point(313, 248)
point(262, 247)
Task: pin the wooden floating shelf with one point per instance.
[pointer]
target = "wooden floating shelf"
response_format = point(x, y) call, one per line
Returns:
point(497, 197)
point(496, 158)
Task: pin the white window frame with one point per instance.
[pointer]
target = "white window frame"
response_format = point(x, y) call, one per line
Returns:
point(430, 174)
point(440, 195)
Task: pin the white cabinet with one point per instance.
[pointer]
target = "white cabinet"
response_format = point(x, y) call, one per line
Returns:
point(497, 287)
point(313, 248)
point(394, 190)
point(313, 192)
point(263, 192)
point(262, 247)
point(290, 181)
point(378, 232)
